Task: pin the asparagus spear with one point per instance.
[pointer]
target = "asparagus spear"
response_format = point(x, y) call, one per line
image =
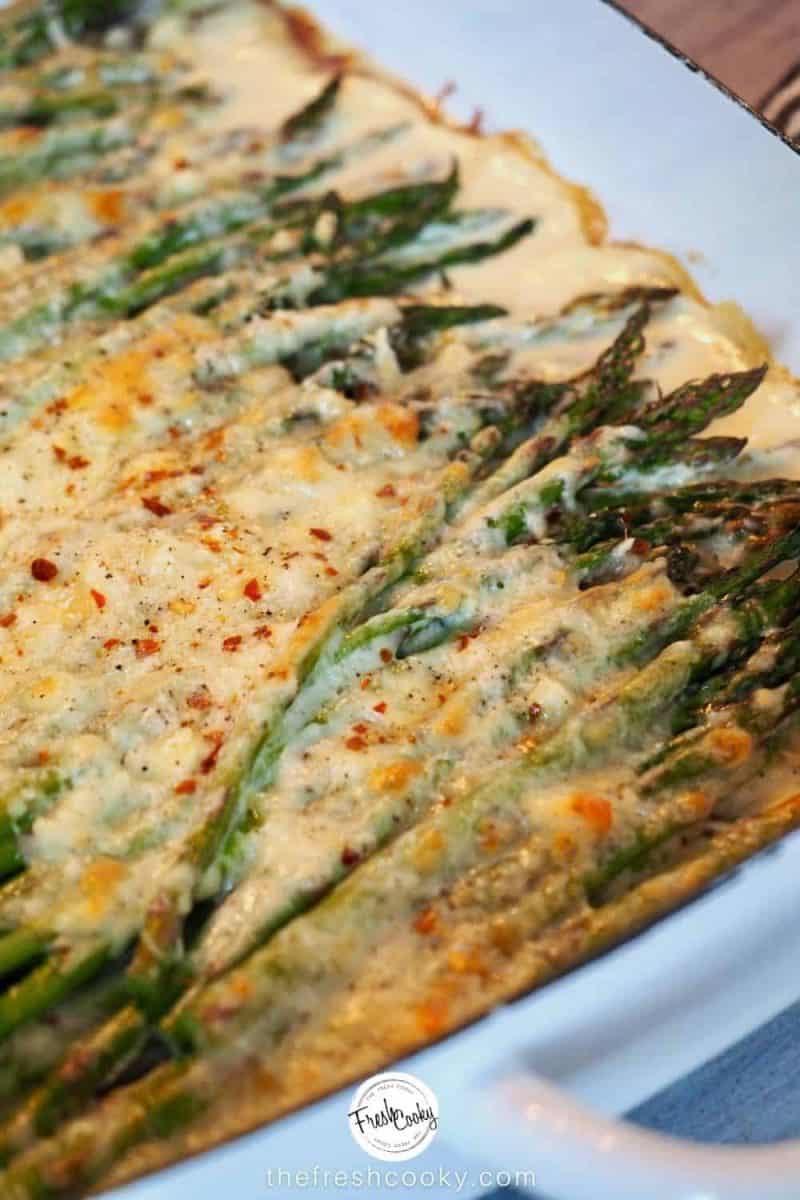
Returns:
point(307, 121)
point(382, 277)
point(54, 980)
point(685, 497)
point(122, 290)
point(656, 443)
point(172, 1097)
point(63, 152)
point(661, 518)
point(45, 110)
point(427, 629)
point(149, 980)
point(374, 895)
point(604, 728)
point(633, 703)
point(578, 407)
point(220, 256)
point(642, 646)
point(717, 758)
point(37, 33)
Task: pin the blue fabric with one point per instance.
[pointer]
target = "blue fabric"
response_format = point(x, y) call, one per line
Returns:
point(750, 1093)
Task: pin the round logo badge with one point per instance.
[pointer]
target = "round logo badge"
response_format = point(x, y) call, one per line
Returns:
point(394, 1117)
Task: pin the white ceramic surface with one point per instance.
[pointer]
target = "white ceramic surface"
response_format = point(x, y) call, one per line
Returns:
point(677, 164)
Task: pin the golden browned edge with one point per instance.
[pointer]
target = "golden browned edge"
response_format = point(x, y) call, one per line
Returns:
point(590, 932)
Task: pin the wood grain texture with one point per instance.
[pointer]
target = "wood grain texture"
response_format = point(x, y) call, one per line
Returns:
point(747, 44)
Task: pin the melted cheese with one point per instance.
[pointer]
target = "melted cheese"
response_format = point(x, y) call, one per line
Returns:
point(201, 510)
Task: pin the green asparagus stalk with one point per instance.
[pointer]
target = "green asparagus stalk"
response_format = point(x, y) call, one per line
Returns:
point(48, 985)
point(424, 629)
point(375, 895)
point(173, 1097)
point(45, 110)
point(53, 981)
point(417, 326)
point(162, 263)
point(661, 518)
point(307, 121)
point(62, 152)
point(703, 768)
point(37, 33)
point(610, 458)
point(20, 948)
point(579, 407)
point(627, 720)
point(384, 278)
point(643, 646)
point(677, 418)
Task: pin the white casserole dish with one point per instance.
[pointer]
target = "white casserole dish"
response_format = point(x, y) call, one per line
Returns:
point(677, 164)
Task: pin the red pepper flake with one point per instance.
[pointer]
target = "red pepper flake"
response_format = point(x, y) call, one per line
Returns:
point(199, 699)
point(380, 708)
point(187, 788)
point(463, 642)
point(387, 491)
point(158, 476)
point(42, 756)
point(252, 589)
point(361, 727)
point(8, 620)
point(350, 857)
point(210, 760)
point(365, 682)
point(145, 398)
point(233, 643)
point(426, 921)
point(386, 655)
point(147, 646)
point(331, 571)
point(98, 598)
point(154, 505)
point(263, 632)
point(77, 462)
point(57, 407)
point(323, 534)
point(204, 583)
point(43, 570)
point(111, 644)
point(356, 743)
point(60, 453)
